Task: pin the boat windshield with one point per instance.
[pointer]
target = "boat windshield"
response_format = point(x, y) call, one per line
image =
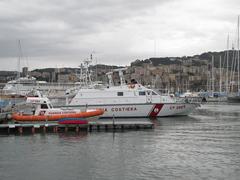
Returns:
point(44, 106)
point(154, 93)
point(142, 93)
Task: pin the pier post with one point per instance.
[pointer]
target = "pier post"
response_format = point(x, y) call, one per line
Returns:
point(77, 129)
point(122, 127)
point(44, 129)
point(113, 122)
point(90, 128)
point(33, 130)
point(20, 130)
point(113, 119)
point(66, 129)
point(106, 127)
point(55, 129)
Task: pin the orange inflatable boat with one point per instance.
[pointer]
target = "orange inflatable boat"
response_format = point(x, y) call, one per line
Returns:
point(55, 117)
point(42, 110)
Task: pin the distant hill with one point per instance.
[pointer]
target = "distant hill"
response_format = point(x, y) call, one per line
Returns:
point(155, 61)
point(72, 70)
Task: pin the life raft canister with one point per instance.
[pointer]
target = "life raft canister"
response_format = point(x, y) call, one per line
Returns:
point(131, 86)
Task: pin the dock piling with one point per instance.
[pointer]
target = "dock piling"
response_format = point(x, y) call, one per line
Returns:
point(77, 129)
point(33, 130)
point(44, 129)
point(20, 130)
point(66, 129)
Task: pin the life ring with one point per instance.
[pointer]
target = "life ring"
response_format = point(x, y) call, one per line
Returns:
point(131, 86)
point(149, 99)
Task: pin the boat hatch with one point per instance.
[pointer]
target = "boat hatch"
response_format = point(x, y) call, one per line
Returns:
point(120, 93)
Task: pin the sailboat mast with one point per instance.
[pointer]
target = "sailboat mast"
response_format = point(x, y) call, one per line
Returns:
point(19, 59)
point(220, 81)
point(227, 63)
point(18, 68)
point(212, 73)
point(238, 53)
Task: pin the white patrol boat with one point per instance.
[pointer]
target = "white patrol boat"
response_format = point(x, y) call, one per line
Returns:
point(130, 100)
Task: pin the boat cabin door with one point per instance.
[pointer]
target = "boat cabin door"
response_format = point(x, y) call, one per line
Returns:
point(148, 96)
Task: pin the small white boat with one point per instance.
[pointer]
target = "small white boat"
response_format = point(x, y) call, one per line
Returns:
point(24, 85)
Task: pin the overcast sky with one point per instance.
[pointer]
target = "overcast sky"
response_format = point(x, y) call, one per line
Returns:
point(62, 33)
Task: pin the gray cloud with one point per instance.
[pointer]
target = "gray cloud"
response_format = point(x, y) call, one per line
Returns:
point(63, 32)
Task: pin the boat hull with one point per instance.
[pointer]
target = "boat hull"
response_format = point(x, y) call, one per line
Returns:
point(32, 118)
point(79, 121)
point(145, 110)
point(233, 99)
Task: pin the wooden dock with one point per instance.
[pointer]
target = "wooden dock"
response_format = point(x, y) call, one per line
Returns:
point(33, 128)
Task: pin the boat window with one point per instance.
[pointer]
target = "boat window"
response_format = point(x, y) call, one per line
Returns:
point(44, 106)
point(120, 93)
point(142, 93)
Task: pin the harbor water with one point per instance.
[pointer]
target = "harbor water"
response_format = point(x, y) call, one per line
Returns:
point(203, 145)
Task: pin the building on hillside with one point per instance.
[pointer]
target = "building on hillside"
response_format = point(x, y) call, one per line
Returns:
point(25, 71)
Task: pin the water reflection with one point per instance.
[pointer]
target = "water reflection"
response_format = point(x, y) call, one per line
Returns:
point(73, 136)
point(219, 110)
point(168, 121)
point(204, 145)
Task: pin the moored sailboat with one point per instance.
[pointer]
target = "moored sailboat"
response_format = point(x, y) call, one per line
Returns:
point(235, 97)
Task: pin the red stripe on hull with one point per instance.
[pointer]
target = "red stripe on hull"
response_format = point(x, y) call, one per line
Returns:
point(156, 109)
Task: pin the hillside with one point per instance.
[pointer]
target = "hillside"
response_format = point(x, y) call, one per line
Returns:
point(155, 61)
